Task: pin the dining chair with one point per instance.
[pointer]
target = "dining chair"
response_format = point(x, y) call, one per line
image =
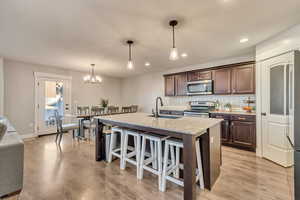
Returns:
point(83, 110)
point(126, 109)
point(112, 109)
point(63, 127)
point(97, 110)
point(134, 108)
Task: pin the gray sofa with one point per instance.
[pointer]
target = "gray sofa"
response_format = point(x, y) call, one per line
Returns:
point(11, 161)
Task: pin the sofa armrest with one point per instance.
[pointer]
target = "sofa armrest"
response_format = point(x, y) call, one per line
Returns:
point(11, 164)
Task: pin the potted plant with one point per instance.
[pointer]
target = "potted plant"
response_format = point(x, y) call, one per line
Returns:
point(104, 104)
point(227, 107)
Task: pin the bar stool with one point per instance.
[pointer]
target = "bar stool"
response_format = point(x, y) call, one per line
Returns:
point(113, 149)
point(174, 168)
point(130, 152)
point(155, 158)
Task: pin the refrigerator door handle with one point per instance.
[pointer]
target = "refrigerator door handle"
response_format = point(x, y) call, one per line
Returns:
point(290, 141)
point(293, 146)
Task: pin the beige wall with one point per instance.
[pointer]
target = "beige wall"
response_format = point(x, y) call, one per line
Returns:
point(19, 91)
point(142, 90)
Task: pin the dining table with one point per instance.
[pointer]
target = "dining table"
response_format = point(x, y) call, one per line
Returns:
point(88, 117)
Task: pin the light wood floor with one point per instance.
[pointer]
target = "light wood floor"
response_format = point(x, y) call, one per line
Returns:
point(72, 174)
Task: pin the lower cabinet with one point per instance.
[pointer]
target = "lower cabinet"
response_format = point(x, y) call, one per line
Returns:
point(238, 130)
point(243, 134)
point(225, 131)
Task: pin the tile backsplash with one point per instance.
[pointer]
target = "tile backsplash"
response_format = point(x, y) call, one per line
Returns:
point(237, 101)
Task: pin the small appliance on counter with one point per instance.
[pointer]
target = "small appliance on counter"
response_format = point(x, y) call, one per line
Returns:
point(200, 109)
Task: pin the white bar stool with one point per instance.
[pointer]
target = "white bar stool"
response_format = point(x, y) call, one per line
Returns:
point(173, 168)
point(155, 158)
point(113, 149)
point(131, 152)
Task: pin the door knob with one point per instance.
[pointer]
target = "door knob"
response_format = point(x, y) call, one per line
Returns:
point(264, 114)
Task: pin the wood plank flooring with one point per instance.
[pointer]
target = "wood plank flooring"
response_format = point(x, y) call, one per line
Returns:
point(70, 173)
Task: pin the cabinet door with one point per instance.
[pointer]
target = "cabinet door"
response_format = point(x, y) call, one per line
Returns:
point(170, 85)
point(181, 84)
point(199, 75)
point(243, 79)
point(222, 81)
point(225, 131)
point(243, 134)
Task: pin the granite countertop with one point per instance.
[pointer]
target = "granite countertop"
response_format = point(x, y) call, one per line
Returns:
point(183, 125)
point(234, 112)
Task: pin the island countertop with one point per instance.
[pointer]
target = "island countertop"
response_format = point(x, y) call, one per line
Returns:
point(183, 125)
point(189, 129)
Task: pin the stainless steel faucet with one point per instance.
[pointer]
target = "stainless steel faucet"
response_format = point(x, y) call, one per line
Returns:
point(156, 114)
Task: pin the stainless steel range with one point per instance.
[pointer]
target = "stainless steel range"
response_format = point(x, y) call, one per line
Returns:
point(200, 109)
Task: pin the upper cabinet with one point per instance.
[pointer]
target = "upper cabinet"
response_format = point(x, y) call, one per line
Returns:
point(170, 85)
point(181, 84)
point(222, 81)
point(243, 79)
point(176, 85)
point(229, 79)
point(198, 75)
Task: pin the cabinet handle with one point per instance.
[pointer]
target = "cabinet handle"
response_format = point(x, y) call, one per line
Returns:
point(242, 118)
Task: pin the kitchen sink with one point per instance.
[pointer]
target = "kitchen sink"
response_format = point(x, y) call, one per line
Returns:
point(166, 116)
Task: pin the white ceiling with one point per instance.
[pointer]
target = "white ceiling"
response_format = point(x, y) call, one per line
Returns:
point(74, 33)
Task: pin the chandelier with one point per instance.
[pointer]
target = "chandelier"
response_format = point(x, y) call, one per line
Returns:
point(92, 78)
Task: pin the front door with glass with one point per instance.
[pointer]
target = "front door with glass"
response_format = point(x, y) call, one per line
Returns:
point(52, 95)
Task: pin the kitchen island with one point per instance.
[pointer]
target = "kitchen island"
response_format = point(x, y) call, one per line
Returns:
point(185, 128)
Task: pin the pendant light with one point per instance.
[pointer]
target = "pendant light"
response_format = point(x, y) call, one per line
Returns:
point(174, 51)
point(92, 78)
point(130, 63)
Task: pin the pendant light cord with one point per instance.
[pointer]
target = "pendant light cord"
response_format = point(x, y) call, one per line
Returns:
point(173, 36)
point(129, 52)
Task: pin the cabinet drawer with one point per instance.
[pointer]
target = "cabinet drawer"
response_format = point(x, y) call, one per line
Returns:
point(220, 116)
point(248, 118)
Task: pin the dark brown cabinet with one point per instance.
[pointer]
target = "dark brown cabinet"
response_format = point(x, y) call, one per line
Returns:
point(243, 134)
point(238, 130)
point(222, 81)
point(243, 79)
point(181, 84)
point(199, 75)
point(236, 78)
point(175, 85)
point(170, 85)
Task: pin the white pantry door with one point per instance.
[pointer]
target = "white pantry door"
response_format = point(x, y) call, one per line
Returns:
point(277, 109)
point(52, 94)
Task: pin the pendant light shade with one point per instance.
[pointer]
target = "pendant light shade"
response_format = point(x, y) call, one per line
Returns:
point(130, 63)
point(92, 78)
point(174, 51)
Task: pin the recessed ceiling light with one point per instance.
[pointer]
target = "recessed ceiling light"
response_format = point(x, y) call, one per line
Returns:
point(147, 64)
point(243, 40)
point(287, 41)
point(184, 55)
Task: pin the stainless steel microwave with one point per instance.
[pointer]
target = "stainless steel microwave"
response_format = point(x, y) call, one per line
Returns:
point(200, 87)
